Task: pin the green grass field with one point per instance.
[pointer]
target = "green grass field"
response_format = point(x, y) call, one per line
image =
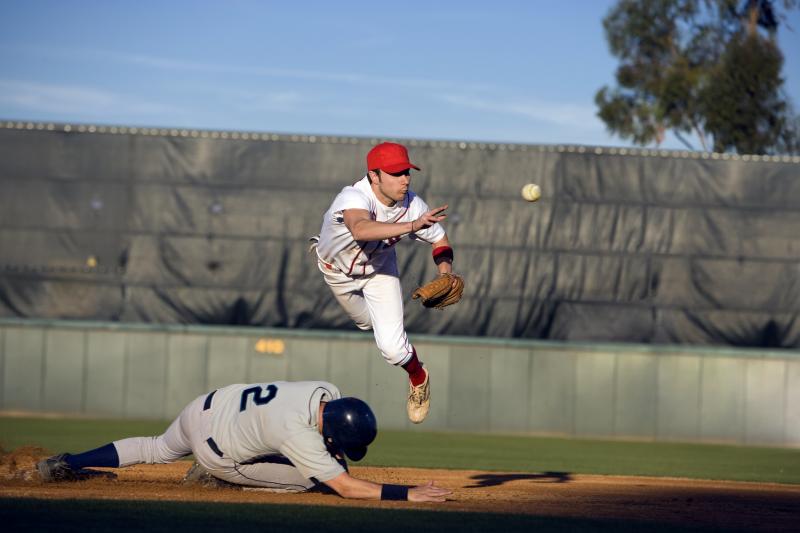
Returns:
point(473, 452)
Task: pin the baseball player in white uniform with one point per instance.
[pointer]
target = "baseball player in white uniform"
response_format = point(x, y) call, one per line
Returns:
point(283, 436)
point(356, 254)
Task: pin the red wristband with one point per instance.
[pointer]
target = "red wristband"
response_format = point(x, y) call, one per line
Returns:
point(443, 253)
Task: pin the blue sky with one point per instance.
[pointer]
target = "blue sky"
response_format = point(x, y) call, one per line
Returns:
point(504, 71)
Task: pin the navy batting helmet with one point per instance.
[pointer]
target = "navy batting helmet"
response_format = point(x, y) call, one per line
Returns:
point(349, 426)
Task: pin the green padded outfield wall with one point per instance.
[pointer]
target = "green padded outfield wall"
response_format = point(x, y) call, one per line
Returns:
point(197, 227)
point(617, 391)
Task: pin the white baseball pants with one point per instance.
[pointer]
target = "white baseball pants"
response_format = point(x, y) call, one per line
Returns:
point(374, 302)
point(189, 434)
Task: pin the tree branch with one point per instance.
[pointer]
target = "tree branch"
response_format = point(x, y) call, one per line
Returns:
point(686, 143)
point(700, 135)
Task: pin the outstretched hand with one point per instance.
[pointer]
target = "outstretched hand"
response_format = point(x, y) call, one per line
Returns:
point(429, 218)
point(428, 493)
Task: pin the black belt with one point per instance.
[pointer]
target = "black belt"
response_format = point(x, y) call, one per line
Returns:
point(270, 458)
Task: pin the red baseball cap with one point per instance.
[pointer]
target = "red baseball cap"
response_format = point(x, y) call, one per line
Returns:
point(389, 157)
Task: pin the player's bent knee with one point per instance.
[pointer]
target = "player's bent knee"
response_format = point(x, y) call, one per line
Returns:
point(393, 354)
point(363, 321)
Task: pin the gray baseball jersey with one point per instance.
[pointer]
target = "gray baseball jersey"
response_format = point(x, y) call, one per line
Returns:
point(257, 420)
point(337, 246)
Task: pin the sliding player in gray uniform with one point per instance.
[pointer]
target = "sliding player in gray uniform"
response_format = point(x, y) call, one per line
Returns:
point(284, 436)
point(356, 254)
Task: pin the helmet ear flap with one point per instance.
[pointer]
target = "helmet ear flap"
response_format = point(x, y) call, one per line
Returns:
point(331, 446)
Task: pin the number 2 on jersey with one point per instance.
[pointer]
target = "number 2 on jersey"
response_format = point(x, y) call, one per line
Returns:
point(258, 399)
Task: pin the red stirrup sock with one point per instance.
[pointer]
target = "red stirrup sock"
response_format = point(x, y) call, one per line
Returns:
point(415, 371)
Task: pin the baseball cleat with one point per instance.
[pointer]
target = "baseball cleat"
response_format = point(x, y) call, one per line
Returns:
point(198, 475)
point(56, 468)
point(419, 400)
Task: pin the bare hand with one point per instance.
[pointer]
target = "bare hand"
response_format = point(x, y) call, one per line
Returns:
point(429, 219)
point(428, 493)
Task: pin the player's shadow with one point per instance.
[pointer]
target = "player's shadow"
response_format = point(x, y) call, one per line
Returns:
point(492, 480)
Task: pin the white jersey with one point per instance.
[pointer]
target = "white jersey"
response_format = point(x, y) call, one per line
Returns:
point(360, 258)
point(258, 420)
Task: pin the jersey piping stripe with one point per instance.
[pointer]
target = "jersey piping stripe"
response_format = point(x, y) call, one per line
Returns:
point(310, 410)
point(354, 263)
point(401, 215)
point(276, 484)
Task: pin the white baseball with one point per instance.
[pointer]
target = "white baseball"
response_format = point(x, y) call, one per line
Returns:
point(531, 192)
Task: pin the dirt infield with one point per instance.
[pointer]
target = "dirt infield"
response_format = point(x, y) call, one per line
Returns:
point(676, 502)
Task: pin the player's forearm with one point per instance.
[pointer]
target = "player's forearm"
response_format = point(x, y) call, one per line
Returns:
point(371, 230)
point(349, 487)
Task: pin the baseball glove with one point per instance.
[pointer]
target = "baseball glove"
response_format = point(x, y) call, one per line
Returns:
point(441, 292)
